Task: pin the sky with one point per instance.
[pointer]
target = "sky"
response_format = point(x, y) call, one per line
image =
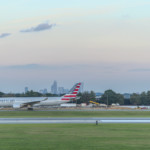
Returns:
point(103, 43)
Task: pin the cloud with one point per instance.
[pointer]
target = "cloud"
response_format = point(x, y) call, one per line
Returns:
point(43, 67)
point(40, 27)
point(28, 66)
point(140, 70)
point(3, 35)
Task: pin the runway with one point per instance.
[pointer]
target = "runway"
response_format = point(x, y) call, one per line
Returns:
point(71, 120)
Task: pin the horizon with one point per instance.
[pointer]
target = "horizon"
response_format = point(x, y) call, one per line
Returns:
point(22, 90)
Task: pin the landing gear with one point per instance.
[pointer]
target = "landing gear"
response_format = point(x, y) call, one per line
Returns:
point(30, 109)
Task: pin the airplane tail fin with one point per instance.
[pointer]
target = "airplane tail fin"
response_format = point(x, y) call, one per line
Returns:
point(73, 92)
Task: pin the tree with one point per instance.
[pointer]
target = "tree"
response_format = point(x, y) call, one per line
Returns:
point(147, 99)
point(92, 96)
point(85, 97)
point(144, 99)
point(135, 99)
point(33, 94)
point(1, 94)
point(110, 97)
point(120, 99)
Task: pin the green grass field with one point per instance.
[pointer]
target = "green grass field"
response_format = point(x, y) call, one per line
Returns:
point(75, 137)
point(74, 114)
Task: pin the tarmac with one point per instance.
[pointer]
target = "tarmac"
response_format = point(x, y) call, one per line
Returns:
point(72, 120)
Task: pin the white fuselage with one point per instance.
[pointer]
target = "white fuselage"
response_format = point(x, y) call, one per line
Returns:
point(10, 101)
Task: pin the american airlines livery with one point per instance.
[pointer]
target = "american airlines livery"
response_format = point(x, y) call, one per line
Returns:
point(30, 102)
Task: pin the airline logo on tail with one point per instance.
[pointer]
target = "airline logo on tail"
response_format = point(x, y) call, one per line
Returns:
point(73, 92)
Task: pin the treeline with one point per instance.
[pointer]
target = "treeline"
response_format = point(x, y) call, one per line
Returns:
point(110, 97)
point(135, 98)
point(140, 99)
point(28, 94)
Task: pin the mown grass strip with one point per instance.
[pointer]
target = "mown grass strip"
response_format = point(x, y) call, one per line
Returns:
point(75, 136)
point(9, 114)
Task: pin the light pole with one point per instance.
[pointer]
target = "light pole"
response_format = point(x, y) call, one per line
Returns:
point(107, 101)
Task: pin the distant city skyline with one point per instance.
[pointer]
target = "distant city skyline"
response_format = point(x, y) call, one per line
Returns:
point(54, 89)
point(61, 88)
point(103, 43)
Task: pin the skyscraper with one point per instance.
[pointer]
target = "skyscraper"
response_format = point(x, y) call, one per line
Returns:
point(61, 90)
point(54, 88)
point(45, 91)
point(26, 89)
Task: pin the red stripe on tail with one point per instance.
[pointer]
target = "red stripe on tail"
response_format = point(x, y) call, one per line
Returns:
point(76, 90)
point(70, 96)
point(65, 99)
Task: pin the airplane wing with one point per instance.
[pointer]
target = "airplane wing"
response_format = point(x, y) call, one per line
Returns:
point(25, 104)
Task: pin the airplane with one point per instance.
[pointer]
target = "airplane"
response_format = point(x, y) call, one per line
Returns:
point(30, 102)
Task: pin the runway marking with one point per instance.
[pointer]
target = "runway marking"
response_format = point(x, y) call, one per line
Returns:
point(71, 120)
